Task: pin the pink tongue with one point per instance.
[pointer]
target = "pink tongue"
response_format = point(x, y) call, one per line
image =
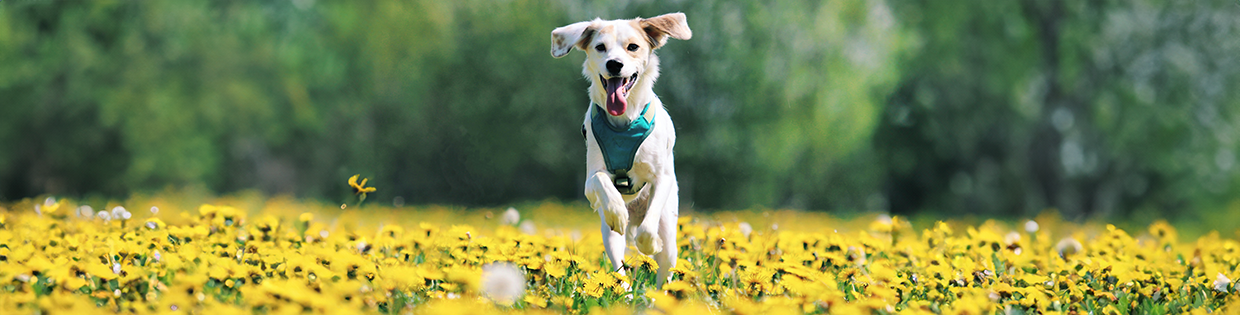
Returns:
point(616, 104)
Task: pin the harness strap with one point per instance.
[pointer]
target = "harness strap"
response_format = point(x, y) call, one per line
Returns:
point(619, 144)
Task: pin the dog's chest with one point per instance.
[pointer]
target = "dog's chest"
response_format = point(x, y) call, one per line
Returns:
point(619, 144)
point(646, 161)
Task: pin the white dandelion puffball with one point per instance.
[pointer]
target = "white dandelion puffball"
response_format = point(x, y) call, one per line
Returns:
point(528, 228)
point(120, 213)
point(104, 215)
point(1031, 226)
point(1068, 246)
point(86, 212)
point(1011, 238)
point(745, 228)
point(1221, 283)
point(154, 210)
point(503, 282)
point(510, 217)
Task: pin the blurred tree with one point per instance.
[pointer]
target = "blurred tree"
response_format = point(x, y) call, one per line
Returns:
point(1103, 107)
point(440, 102)
point(775, 103)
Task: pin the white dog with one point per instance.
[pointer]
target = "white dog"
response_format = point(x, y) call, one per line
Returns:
point(630, 177)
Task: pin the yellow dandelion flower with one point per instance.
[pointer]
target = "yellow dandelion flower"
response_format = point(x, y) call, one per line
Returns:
point(101, 271)
point(1163, 231)
point(535, 300)
point(598, 284)
point(564, 300)
point(679, 289)
point(359, 188)
point(594, 288)
point(882, 272)
point(554, 270)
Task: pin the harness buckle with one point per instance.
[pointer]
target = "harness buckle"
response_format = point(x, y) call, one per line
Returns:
point(624, 184)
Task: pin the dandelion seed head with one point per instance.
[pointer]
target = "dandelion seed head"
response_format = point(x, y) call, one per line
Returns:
point(884, 218)
point(1068, 246)
point(528, 228)
point(86, 212)
point(745, 228)
point(106, 216)
point(1221, 283)
point(116, 268)
point(503, 282)
point(154, 210)
point(119, 213)
point(49, 203)
point(1011, 238)
point(1031, 226)
point(510, 217)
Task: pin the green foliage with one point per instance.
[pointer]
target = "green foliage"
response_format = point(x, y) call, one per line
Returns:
point(446, 102)
point(1109, 107)
point(1103, 108)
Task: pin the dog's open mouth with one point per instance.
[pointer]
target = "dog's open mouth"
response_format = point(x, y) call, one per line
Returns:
point(618, 93)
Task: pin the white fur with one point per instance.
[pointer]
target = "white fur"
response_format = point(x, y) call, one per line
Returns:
point(648, 217)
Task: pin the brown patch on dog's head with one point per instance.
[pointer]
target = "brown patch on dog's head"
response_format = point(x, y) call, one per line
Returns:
point(564, 38)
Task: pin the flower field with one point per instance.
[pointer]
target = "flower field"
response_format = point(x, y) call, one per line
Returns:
point(269, 256)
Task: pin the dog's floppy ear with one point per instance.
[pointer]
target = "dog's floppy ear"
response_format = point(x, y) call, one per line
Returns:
point(565, 37)
point(659, 28)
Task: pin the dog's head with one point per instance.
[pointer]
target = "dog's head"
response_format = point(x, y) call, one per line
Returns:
point(619, 54)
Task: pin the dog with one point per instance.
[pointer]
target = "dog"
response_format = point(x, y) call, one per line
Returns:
point(630, 176)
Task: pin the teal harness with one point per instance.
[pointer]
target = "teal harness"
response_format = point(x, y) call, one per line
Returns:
point(620, 145)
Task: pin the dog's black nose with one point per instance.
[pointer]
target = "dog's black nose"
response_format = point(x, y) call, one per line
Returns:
point(614, 67)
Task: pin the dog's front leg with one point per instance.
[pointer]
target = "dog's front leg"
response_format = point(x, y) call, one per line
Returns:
point(605, 199)
point(667, 232)
point(647, 238)
point(614, 245)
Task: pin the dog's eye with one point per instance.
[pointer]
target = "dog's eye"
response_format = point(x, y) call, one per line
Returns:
point(633, 47)
point(600, 48)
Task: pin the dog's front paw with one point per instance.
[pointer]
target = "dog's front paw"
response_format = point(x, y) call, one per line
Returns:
point(648, 241)
point(617, 216)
